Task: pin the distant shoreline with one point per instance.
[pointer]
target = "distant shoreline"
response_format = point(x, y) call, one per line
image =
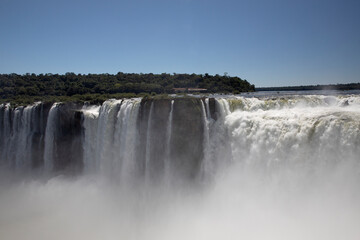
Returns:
point(341, 87)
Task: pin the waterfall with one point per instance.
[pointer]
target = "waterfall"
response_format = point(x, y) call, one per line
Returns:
point(23, 151)
point(267, 132)
point(175, 168)
point(304, 135)
point(206, 142)
point(167, 160)
point(50, 134)
point(17, 130)
point(90, 150)
point(148, 142)
point(294, 136)
point(15, 140)
point(5, 133)
point(224, 107)
point(126, 138)
point(110, 137)
point(105, 135)
point(207, 107)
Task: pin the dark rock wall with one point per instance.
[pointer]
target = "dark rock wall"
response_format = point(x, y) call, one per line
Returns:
point(38, 125)
point(68, 144)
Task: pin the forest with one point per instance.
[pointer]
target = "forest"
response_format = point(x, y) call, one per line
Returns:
point(95, 88)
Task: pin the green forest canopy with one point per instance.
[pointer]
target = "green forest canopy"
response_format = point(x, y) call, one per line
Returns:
point(28, 88)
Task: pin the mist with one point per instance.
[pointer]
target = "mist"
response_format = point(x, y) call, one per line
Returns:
point(238, 205)
point(279, 168)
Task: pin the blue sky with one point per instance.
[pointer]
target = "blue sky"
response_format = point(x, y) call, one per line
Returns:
point(267, 42)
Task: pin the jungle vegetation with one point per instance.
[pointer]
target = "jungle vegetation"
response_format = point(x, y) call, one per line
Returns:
point(96, 88)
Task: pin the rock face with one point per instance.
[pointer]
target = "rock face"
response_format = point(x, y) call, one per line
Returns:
point(68, 144)
point(187, 137)
point(39, 123)
point(175, 146)
point(152, 122)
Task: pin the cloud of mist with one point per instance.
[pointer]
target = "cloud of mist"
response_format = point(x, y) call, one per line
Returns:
point(238, 205)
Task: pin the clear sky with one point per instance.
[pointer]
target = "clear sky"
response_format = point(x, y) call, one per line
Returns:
point(267, 42)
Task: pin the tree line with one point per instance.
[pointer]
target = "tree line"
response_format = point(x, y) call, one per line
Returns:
point(340, 87)
point(97, 87)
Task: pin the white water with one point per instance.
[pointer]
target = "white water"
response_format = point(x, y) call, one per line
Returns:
point(5, 134)
point(50, 134)
point(90, 144)
point(16, 145)
point(24, 141)
point(15, 138)
point(126, 138)
point(110, 137)
point(167, 162)
point(206, 146)
point(280, 169)
point(148, 141)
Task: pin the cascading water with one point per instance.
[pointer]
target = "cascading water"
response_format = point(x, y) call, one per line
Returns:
point(206, 141)
point(295, 135)
point(5, 131)
point(148, 141)
point(271, 167)
point(50, 134)
point(19, 136)
point(168, 141)
point(90, 140)
point(110, 137)
point(127, 131)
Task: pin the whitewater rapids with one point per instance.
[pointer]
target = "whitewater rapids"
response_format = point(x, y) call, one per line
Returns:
point(268, 168)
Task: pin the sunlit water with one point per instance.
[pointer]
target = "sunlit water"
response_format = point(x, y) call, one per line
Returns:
point(272, 168)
